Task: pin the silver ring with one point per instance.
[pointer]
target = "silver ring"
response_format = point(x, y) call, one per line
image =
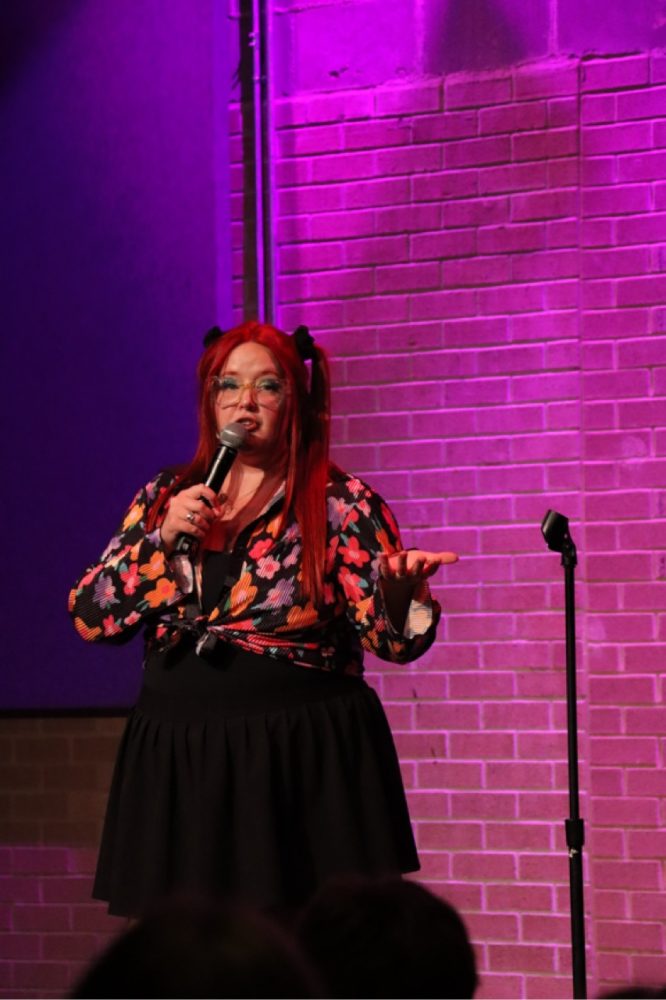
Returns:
point(190, 517)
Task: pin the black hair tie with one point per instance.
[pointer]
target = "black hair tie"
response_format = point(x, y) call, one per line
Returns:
point(213, 334)
point(305, 344)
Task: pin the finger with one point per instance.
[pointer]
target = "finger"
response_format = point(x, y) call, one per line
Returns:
point(438, 557)
point(383, 564)
point(199, 490)
point(207, 495)
point(401, 569)
point(197, 520)
point(197, 494)
point(204, 513)
point(416, 569)
point(433, 564)
point(191, 522)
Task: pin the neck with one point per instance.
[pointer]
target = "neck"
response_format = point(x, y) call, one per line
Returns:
point(246, 480)
point(246, 491)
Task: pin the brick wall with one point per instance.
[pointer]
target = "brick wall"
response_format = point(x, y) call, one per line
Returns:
point(54, 777)
point(484, 258)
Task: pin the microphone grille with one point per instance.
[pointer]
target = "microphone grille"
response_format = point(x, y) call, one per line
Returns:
point(233, 436)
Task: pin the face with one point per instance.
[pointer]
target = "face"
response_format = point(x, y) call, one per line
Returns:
point(257, 407)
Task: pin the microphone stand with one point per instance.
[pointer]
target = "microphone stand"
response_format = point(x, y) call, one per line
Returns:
point(555, 530)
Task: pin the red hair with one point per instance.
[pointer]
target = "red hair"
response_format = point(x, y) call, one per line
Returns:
point(305, 423)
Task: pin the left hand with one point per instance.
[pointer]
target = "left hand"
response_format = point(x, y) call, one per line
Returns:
point(413, 565)
point(401, 573)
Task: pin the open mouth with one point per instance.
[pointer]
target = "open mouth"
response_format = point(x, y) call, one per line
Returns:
point(249, 424)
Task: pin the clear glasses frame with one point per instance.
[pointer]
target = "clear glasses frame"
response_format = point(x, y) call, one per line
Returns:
point(267, 390)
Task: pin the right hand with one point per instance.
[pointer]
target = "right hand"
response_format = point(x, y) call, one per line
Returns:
point(189, 514)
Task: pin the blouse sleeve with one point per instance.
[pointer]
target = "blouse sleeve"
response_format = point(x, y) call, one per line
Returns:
point(361, 526)
point(132, 580)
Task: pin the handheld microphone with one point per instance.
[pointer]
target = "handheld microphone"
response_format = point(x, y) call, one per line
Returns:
point(231, 439)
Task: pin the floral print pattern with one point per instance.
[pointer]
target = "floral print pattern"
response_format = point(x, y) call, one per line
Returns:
point(135, 585)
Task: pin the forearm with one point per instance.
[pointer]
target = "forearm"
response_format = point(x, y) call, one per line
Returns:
point(132, 580)
point(122, 590)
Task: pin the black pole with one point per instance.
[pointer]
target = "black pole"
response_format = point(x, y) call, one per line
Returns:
point(555, 529)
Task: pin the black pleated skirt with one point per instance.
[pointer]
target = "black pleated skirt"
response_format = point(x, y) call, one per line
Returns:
point(247, 777)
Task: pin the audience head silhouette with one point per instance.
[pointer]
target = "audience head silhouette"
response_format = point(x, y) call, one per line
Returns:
point(196, 948)
point(387, 938)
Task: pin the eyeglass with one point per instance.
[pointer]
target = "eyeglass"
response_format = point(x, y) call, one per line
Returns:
point(268, 390)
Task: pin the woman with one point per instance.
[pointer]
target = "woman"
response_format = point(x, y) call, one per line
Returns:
point(257, 762)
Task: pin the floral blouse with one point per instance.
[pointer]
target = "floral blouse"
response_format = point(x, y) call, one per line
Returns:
point(262, 609)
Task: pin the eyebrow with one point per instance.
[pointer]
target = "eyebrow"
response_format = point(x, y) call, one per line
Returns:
point(266, 371)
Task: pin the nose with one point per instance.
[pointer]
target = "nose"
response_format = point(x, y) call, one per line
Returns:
point(247, 396)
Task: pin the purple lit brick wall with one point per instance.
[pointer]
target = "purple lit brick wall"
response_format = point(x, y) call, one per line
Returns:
point(483, 256)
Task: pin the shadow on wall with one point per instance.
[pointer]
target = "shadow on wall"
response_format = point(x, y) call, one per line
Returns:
point(483, 34)
point(487, 34)
point(25, 27)
point(625, 27)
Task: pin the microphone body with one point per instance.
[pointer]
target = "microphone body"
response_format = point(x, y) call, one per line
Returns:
point(231, 439)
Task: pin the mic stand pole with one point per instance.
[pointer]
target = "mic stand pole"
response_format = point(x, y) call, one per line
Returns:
point(555, 528)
